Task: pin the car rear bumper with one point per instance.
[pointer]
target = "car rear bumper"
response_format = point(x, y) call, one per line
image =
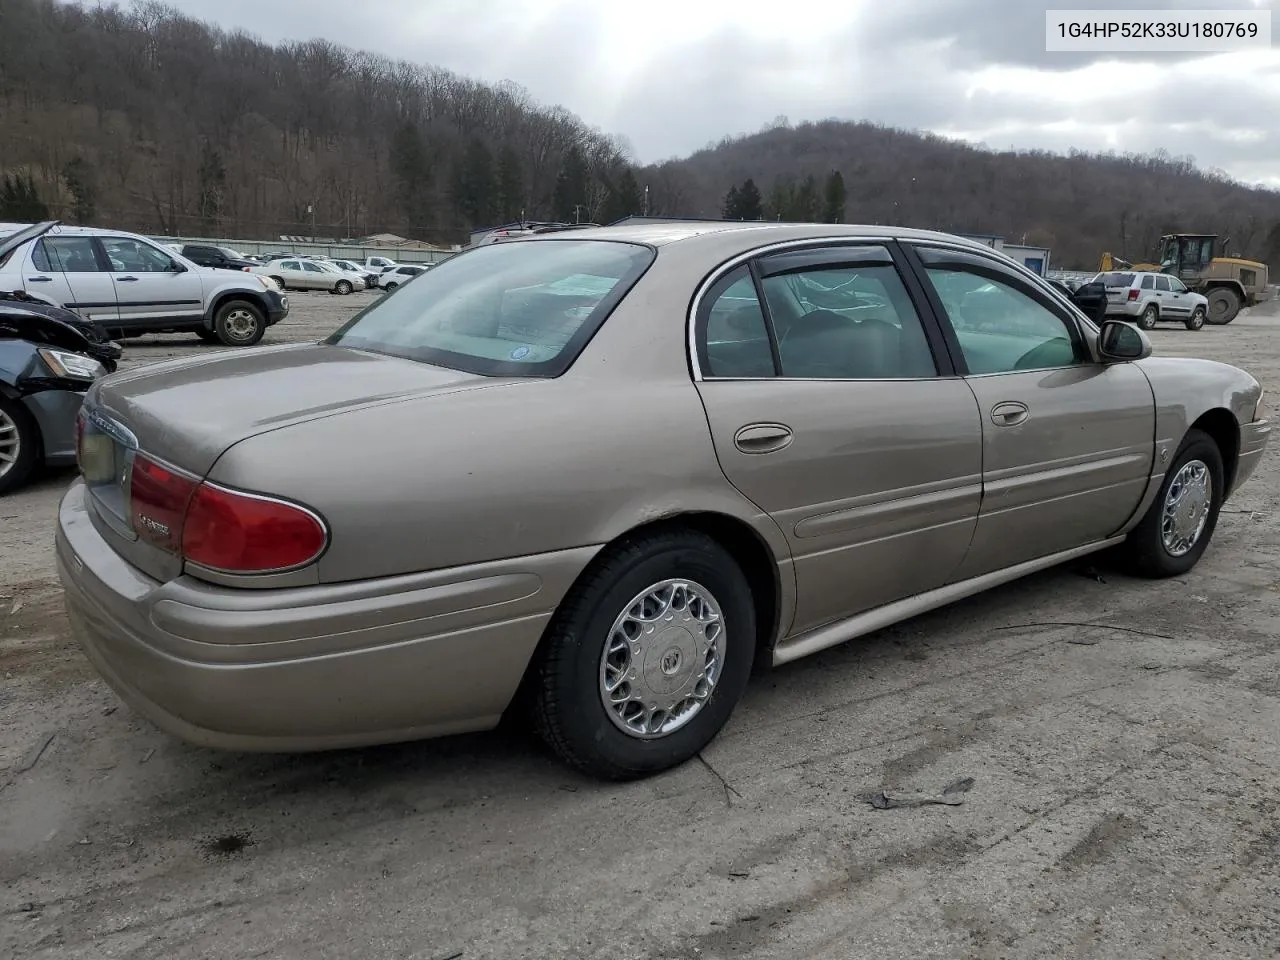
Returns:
point(1253, 442)
point(308, 668)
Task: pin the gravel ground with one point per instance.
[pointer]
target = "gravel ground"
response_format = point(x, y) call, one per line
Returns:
point(1121, 736)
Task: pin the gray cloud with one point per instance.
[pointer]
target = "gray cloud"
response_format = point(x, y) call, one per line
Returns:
point(672, 83)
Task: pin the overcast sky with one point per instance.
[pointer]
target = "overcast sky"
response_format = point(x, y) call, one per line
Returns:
point(675, 75)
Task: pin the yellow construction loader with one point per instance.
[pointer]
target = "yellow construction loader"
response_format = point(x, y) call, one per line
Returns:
point(1228, 283)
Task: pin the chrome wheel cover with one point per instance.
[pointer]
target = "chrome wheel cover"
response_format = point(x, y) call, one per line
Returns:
point(10, 443)
point(1186, 508)
point(241, 324)
point(662, 659)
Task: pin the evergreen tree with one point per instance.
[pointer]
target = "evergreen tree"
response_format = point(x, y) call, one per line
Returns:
point(474, 185)
point(834, 197)
point(571, 186)
point(80, 185)
point(750, 203)
point(509, 186)
point(806, 200)
point(732, 204)
point(411, 165)
point(628, 198)
point(213, 185)
point(781, 205)
point(19, 200)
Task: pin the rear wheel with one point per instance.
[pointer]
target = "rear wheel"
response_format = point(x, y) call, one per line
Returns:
point(1224, 304)
point(1149, 317)
point(1196, 320)
point(647, 657)
point(1177, 527)
point(19, 444)
point(279, 281)
point(239, 323)
point(390, 286)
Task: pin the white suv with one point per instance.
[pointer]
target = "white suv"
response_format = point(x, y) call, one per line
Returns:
point(1151, 298)
point(132, 285)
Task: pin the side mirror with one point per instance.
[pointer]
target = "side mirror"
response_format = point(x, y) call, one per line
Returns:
point(176, 267)
point(1119, 342)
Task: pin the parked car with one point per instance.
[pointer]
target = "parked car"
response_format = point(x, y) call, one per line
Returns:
point(399, 275)
point(48, 358)
point(648, 461)
point(223, 258)
point(131, 285)
point(1150, 298)
point(350, 266)
point(1090, 297)
point(301, 273)
point(378, 264)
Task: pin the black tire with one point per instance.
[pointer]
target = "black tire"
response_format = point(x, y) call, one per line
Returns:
point(568, 708)
point(1196, 320)
point(1149, 317)
point(343, 287)
point(279, 282)
point(1144, 551)
point(1224, 304)
point(389, 286)
point(208, 336)
point(234, 328)
point(17, 424)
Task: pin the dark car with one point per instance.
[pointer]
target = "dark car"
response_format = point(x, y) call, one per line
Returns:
point(49, 357)
point(207, 255)
point(1090, 296)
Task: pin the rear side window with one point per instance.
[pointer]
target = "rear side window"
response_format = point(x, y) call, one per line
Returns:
point(1162, 283)
point(1148, 283)
point(523, 310)
point(66, 254)
point(736, 341)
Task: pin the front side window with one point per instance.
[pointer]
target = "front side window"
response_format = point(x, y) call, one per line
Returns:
point(522, 309)
point(66, 254)
point(311, 268)
point(1177, 286)
point(1000, 328)
point(847, 323)
point(133, 256)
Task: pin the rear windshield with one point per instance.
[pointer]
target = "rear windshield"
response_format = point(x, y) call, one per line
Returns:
point(1115, 279)
point(518, 309)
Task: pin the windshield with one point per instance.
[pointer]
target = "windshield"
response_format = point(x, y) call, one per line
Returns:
point(1114, 279)
point(520, 309)
point(230, 254)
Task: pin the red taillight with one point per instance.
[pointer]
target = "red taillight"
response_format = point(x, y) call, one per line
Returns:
point(219, 528)
point(1133, 294)
point(245, 533)
point(158, 500)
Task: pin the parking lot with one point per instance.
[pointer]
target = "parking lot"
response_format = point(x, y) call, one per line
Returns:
point(1121, 736)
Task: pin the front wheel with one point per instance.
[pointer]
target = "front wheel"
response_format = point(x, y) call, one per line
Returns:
point(19, 444)
point(1196, 320)
point(1224, 304)
point(389, 286)
point(343, 287)
point(239, 323)
point(646, 657)
point(1149, 317)
point(1176, 529)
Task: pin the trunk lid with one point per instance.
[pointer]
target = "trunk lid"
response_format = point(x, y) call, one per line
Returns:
point(189, 411)
point(185, 413)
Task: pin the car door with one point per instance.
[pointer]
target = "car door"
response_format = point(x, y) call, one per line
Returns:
point(150, 285)
point(314, 277)
point(1172, 305)
point(1067, 442)
point(290, 271)
point(830, 411)
point(73, 272)
point(1179, 299)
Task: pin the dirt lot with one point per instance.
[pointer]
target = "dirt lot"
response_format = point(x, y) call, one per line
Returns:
point(1121, 735)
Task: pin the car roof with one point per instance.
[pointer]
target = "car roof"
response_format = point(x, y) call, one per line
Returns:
point(752, 233)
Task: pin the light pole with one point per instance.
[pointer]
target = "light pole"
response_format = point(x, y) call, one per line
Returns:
point(311, 209)
point(646, 199)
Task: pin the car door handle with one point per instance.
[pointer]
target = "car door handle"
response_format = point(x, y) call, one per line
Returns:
point(763, 437)
point(127, 279)
point(39, 279)
point(1010, 413)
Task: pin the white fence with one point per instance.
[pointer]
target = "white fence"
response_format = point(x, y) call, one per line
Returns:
point(336, 251)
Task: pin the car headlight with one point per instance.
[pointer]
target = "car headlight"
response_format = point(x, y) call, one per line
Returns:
point(72, 366)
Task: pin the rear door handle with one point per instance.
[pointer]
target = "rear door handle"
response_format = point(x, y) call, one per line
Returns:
point(39, 279)
point(1010, 413)
point(763, 437)
point(127, 279)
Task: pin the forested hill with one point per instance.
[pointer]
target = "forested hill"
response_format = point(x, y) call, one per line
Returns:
point(1078, 205)
point(142, 118)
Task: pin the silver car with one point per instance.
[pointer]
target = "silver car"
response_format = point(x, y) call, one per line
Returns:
point(597, 477)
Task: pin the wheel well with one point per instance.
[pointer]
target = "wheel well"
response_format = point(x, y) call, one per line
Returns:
point(1233, 285)
point(247, 295)
point(1222, 428)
